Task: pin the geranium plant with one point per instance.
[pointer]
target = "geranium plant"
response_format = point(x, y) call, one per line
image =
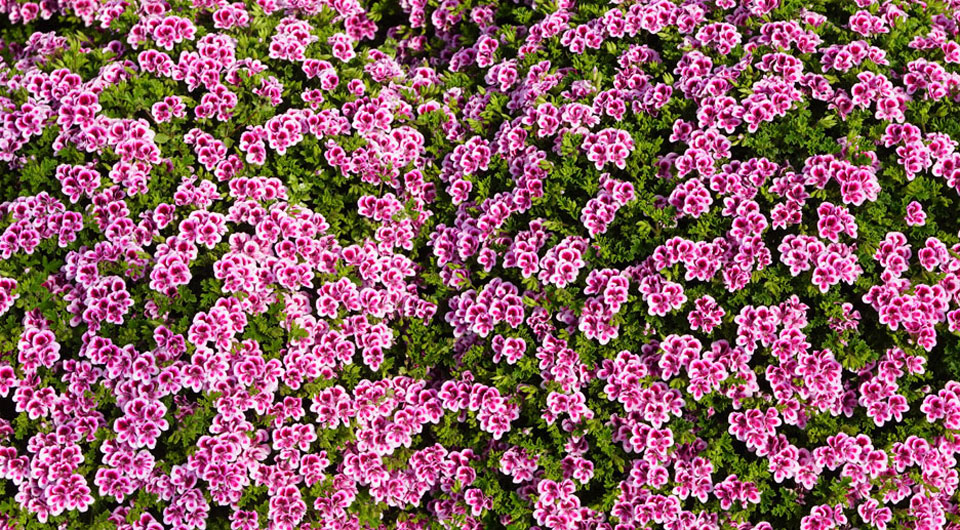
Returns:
point(525, 264)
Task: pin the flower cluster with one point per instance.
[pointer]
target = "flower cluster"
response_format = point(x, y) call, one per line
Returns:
point(601, 210)
point(608, 145)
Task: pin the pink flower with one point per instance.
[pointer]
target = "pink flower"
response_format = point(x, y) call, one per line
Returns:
point(915, 214)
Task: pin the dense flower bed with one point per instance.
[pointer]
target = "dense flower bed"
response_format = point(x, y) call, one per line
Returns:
point(557, 264)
